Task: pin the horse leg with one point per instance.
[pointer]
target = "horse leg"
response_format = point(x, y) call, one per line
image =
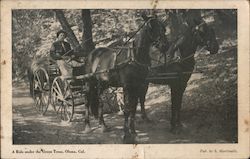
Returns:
point(142, 102)
point(87, 123)
point(129, 115)
point(182, 87)
point(102, 124)
point(92, 104)
point(176, 99)
point(127, 134)
point(134, 102)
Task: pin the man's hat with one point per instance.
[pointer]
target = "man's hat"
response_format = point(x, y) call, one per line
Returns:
point(61, 31)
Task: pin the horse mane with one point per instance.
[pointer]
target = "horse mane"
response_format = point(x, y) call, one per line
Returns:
point(141, 45)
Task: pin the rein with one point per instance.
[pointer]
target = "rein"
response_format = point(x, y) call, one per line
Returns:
point(120, 50)
point(191, 55)
point(131, 59)
point(133, 36)
point(131, 54)
point(186, 58)
point(67, 53)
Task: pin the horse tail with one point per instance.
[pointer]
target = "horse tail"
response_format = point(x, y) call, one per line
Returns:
point(93, 95)
point(93, 99)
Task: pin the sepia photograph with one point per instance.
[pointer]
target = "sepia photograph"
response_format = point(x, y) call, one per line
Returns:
point(116, 77)
point(154, 76)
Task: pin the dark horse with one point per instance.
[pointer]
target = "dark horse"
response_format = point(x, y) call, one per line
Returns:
point(178, 73)
point(128, 69)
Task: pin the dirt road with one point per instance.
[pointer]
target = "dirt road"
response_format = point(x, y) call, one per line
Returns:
point(31, 128)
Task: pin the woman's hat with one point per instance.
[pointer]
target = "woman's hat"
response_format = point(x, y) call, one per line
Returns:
point(61, 31)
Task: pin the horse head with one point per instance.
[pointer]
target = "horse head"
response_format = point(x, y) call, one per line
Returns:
point(207, 37)
point(153, 31)
point(154, 27)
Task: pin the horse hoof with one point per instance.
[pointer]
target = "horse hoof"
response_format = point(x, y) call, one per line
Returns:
point(103, 128)
point(175, 131)
point(172, 131)
point(133, 133)
point(129, 139)
point(120, 113)
point(147, 120)
point(182, 126)
point(87, 130)
point(150, 121)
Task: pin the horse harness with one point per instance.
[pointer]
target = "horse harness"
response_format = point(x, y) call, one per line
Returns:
point(130, 53)
point(194, 32)
point(131, 59)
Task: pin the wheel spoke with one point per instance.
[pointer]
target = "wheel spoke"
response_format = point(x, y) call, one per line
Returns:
point(39, 81)
point(59, 95)
point(67, 102)
point(62, 99)
point(56, 90)
point(68, 114)
point(54, 99)
point(40, 95)
point(60, 91)
point(66, 89)
point(38, 103)
point(62, 110)
point(59, 108)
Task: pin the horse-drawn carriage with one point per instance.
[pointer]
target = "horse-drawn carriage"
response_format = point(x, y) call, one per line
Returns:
point(64, 94)
point(131, 70)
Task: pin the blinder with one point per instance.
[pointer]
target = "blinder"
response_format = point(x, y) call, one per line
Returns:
point(201, 34)
point(155, 31)
point(205, 36)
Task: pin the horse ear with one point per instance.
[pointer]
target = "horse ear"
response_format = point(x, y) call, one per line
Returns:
point(155, 16)
point(202, 27)
point(149, 24)
point(144, 16)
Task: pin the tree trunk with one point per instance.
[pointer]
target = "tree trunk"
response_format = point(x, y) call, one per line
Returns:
point(65, 25)
point(87, 40)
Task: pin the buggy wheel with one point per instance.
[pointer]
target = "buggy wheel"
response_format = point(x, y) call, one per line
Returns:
point(62, 99)
point(40, 92)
